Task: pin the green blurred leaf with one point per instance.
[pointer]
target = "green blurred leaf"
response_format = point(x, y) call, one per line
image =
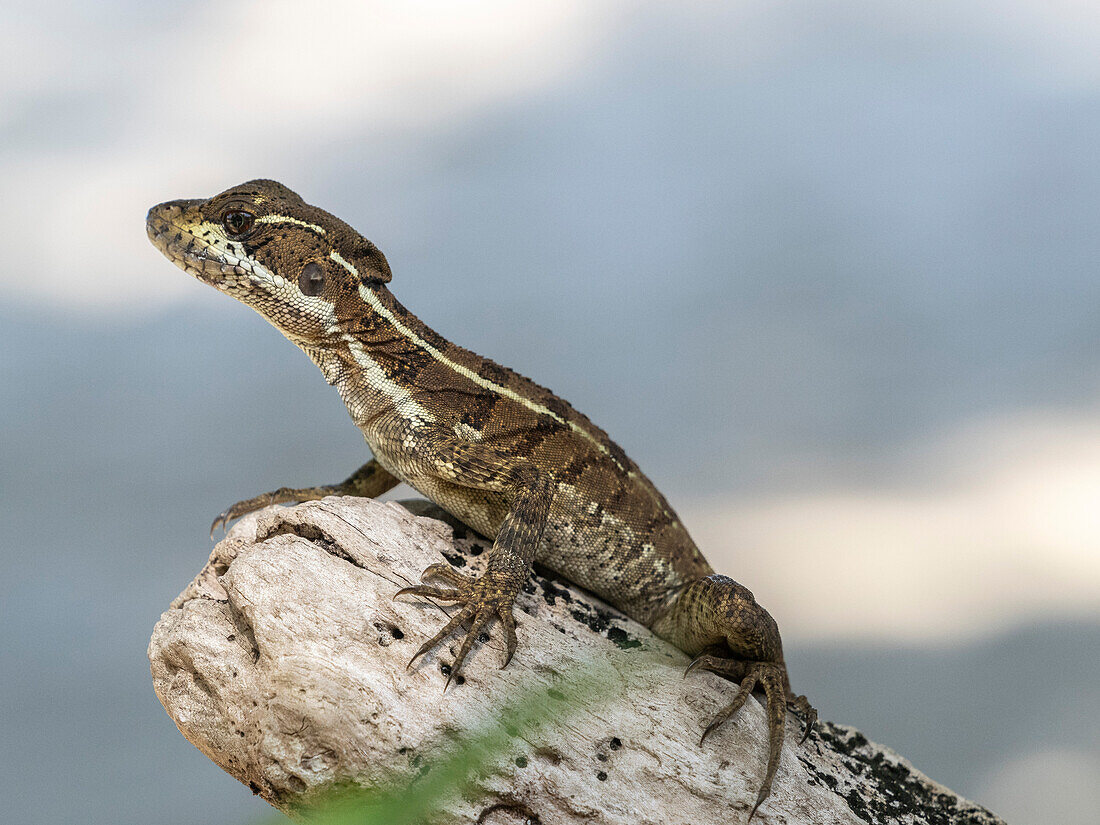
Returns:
point(472, 754)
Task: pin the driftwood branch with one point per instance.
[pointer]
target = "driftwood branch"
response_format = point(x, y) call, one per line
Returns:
point(284, 661)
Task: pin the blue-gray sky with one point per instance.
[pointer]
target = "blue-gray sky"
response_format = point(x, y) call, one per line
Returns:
point(826, 270)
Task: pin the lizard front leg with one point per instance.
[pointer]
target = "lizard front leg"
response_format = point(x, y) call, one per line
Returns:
point(528, 491)
point(735, 637)
point(369, 481)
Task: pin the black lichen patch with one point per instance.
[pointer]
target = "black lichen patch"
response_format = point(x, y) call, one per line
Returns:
point(455, 559)
point(596, 619)
point(887, 791)
point(622, 638)
point(551, 592)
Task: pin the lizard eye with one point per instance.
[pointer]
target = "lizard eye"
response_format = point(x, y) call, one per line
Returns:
point(237, 222)
point(312, 279)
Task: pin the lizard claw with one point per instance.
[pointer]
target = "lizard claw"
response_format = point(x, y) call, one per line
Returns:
point(508, 622)
point(222, 520)
point(802, 704)
point(429, 592)
point(237, 510)
point(811, 718)
point(715, 664)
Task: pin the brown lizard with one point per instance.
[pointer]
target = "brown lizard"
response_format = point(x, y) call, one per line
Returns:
point(502, 454)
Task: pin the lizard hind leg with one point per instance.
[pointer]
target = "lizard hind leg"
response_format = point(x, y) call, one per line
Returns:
point(739, 640)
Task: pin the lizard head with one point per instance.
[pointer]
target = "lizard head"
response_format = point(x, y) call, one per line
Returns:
point(259, 242)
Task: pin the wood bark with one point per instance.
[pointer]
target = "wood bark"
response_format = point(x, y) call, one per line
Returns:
point(284, 661)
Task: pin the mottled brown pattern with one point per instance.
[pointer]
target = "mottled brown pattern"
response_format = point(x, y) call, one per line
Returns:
point(501, 453)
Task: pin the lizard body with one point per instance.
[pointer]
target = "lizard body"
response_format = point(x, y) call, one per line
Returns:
point(499, 452)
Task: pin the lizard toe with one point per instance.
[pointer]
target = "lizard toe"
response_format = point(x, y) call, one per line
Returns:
point(724, 666)
point(508, 622)
point(773, 679)
point(251, 505)
point(809, 712)
point(221, 520)
point(458, 591)
point(743, 693)
point(481, 619)
point(457, 619)
point(444, 572)
point(429, 591)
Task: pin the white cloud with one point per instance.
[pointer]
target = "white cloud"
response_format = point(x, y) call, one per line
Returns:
point(1059, 37)
point(132, 109)
point(1003, 527)
point(241, 86)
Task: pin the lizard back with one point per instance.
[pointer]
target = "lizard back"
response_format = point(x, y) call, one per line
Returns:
point(609, 529)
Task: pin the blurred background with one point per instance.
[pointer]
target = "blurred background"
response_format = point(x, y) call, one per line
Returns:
point(826, 270)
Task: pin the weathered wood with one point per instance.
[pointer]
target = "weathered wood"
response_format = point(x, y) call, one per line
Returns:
point(284, 661)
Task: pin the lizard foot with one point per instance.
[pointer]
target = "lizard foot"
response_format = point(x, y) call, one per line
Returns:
point(772, 677)
point(250, 505)
point(369, 481)
point(482, 600)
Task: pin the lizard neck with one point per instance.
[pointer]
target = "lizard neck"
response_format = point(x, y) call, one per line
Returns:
point(375, 358)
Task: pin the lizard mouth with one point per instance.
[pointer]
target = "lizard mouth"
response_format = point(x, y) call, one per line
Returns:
point(171, 227)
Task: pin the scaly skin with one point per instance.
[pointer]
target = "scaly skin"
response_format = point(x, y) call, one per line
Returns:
point(502, 454)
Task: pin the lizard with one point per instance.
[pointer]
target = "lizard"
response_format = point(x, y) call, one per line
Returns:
point(497, 451)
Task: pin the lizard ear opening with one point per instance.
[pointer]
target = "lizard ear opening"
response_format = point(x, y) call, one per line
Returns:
point(311, 281)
